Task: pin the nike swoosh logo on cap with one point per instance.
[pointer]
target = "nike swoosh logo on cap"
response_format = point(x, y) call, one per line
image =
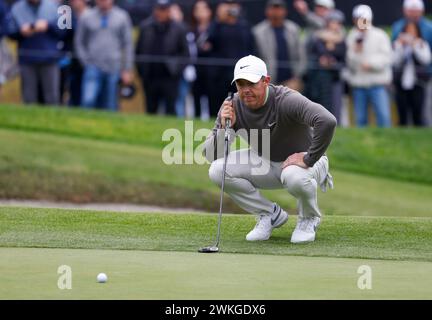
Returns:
point(271, 124)
point(244, 66)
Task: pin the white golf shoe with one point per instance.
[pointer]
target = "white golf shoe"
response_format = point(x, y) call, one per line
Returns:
point(266, 223)
point(305, 230)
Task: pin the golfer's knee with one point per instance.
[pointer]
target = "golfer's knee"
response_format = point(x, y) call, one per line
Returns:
point(295, 179)
point(215, 172)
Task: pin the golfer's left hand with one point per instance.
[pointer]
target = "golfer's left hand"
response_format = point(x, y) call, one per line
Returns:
point(295, 159)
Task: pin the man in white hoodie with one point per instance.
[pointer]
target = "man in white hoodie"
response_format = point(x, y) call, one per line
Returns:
point(369, 60)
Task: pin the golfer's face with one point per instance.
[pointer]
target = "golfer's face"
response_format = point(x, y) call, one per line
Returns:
point(252, 94)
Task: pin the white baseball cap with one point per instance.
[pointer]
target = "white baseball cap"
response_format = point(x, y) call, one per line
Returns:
point(250, 68)
point(363, 11)
point(325, 3)
point(414, 5)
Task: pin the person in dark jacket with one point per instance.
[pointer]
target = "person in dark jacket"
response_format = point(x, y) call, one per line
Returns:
point(164, 41)
point(414, 13)
point(326, 54)
point(412, 56)
point(230, 38)
point(71, 69)
point(3, 15)
point(38, 36)
point(201, 19)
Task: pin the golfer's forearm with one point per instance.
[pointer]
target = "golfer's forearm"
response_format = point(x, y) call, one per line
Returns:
point(214, 144)
point(324, 129)
point(209, 148)
point(314, 116)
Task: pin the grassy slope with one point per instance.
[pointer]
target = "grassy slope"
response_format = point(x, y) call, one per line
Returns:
point(47, 166)
point(351, 237)
point(403, 154)
point(185, 275)
point(82, 156)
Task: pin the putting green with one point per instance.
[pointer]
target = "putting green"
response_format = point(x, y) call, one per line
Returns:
point(31, 273)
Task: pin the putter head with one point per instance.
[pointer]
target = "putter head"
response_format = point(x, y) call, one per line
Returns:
point(209, 249)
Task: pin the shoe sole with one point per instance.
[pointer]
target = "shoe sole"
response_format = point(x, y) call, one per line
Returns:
point(258, 239)
point(306, 241)
point(311, 240)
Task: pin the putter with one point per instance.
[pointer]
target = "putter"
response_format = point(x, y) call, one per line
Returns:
point(215, 248)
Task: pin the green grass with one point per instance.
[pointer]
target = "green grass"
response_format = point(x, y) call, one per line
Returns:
point(92, 156)
point(401, 154)
point(35, 165)
point(349, 237)
point(154, 256)
point(32, 274)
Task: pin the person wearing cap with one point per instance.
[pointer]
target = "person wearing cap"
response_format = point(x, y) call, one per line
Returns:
point(164, 39)
point(412, 57)
point(369, 68)
point(413, 11)
point(279, 45)
point(326, 53)
point(103, 42)
point(291, 134)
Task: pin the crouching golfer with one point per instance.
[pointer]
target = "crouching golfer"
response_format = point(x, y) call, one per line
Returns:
point(299, 132)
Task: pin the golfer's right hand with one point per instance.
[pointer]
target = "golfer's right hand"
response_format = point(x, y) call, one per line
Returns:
point(228, 112)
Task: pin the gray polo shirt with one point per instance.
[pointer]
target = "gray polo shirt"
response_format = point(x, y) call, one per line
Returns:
point(105, 42)
point(295, 124)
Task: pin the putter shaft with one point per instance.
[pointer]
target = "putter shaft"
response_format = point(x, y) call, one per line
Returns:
point(215, 247)
point(222, 192)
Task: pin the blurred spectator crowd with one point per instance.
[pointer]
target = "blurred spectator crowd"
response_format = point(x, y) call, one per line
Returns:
point(188, 65)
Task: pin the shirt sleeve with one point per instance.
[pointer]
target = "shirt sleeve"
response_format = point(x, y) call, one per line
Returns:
point(80, 41)
point(127, 44)
point(302, 110)
point(214, 143)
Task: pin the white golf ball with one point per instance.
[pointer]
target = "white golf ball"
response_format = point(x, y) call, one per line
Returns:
point(102, 278)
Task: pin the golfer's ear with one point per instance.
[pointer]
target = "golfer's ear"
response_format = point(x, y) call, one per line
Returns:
point(267, 79)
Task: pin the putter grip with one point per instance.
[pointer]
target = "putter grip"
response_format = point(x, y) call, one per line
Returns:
point(228, 120)
point(227, 123)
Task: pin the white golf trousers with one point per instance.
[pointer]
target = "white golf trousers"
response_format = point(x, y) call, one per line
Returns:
point(242, 184)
